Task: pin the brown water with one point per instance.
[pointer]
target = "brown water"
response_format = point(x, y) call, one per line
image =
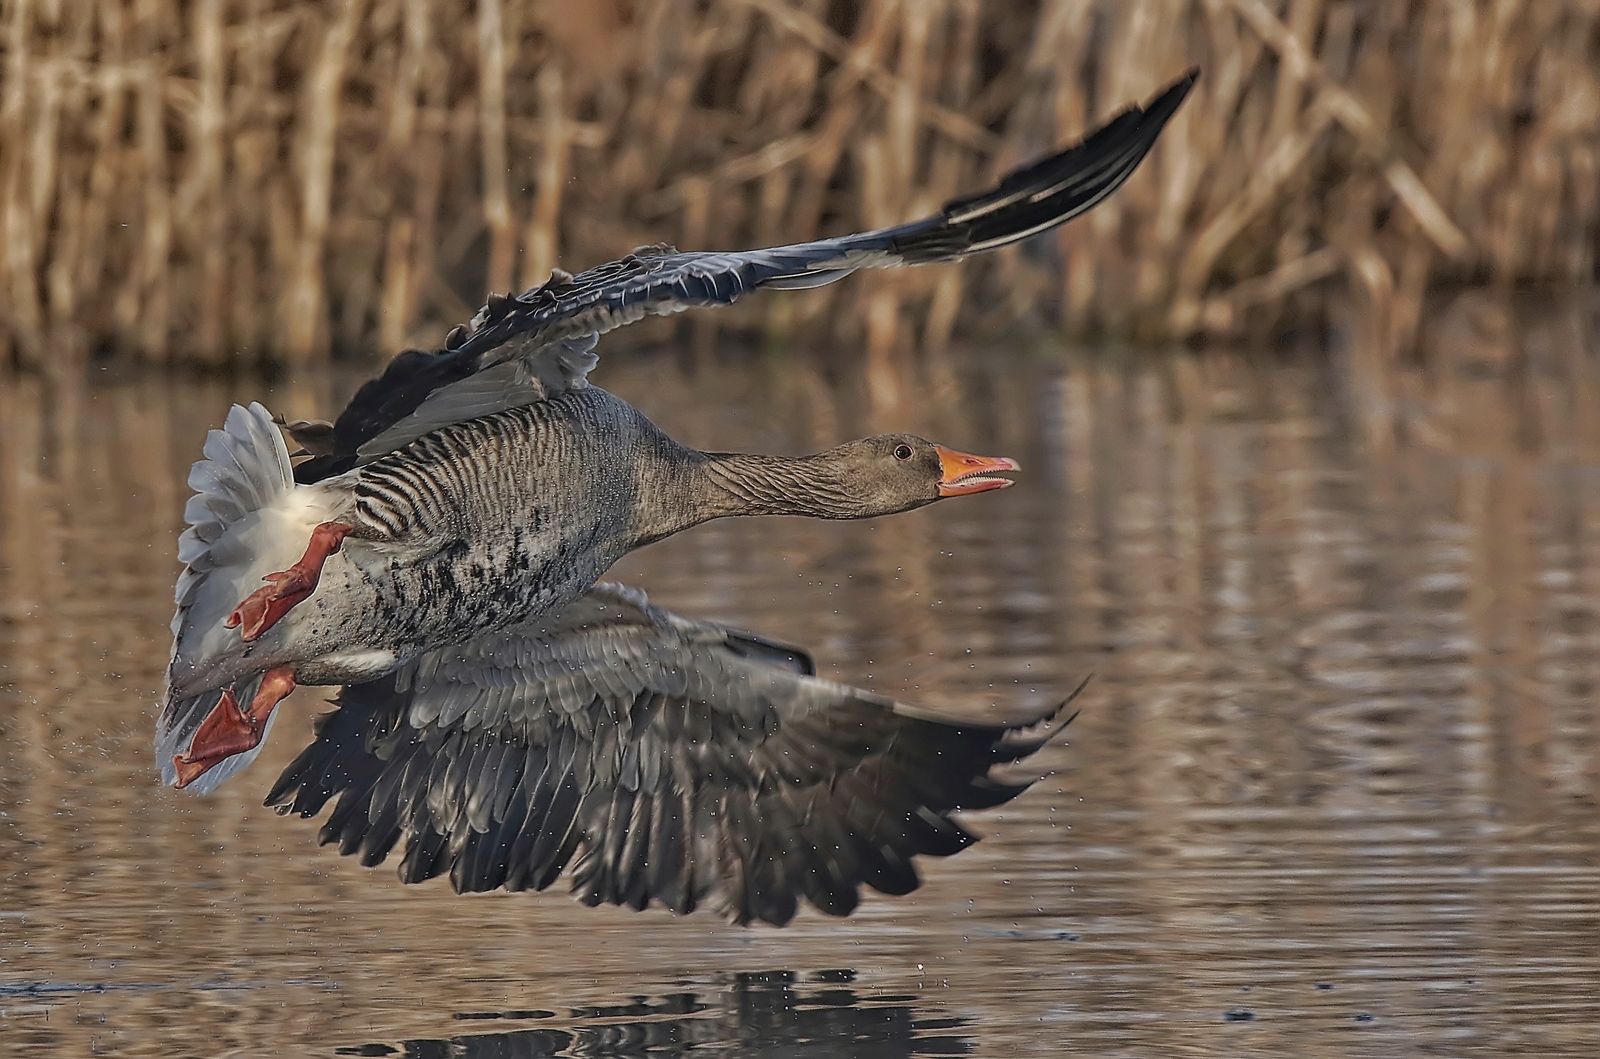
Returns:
point(1333, 790)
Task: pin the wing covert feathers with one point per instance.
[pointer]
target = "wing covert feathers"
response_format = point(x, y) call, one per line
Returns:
point(723, 775)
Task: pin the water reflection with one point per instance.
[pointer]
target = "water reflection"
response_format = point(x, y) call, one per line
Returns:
point(775, 1013)
point(1333, 788)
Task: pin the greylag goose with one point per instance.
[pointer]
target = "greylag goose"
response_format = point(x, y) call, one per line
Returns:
point(471, 491)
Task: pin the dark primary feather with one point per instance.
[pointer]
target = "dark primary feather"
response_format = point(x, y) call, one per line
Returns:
point(661, 759)
point(550, 329)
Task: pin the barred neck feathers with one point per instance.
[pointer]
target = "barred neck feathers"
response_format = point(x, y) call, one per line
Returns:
point(880, 475)
point(602, 466)
point(740, 484)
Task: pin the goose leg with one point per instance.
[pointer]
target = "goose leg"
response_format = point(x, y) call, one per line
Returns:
point(263, 607)
point(229, 729)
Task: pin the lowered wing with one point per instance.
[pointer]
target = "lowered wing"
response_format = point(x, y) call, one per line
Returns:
point(663, 759)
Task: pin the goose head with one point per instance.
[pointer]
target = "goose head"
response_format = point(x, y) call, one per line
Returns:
point(887, 473)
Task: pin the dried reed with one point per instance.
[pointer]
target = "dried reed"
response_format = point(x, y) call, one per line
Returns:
point(254, 180)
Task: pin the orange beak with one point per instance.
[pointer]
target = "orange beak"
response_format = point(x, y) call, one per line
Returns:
point(965, 473)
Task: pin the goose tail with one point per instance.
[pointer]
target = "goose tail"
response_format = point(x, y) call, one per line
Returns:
point(246, 468)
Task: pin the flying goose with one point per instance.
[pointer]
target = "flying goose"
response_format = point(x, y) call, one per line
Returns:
point(464, 506)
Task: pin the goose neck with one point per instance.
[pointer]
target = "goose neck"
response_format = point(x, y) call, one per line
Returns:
point(748, 484)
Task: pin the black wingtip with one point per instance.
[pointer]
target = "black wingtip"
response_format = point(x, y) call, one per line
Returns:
point(1048, 192)
point(1169, 99)
point(1149, 118)
point(1023, 740)
point(1053, 718)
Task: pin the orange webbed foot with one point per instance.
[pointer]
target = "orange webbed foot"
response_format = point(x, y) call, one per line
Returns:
point(261, 609)
point(228, 730)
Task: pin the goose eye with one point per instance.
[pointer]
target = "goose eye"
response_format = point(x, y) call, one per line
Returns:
point(902, 452)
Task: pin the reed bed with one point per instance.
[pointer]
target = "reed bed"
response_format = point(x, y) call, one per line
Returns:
point(225, 181)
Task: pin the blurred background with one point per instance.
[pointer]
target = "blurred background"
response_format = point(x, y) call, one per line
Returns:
point(278, 181)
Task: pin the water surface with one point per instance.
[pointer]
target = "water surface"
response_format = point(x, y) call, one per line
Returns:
point(1333, 789)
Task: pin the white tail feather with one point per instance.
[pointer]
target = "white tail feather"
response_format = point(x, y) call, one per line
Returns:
point(246, 468)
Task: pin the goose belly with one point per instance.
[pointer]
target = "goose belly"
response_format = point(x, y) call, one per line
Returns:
point(480, 526)
point(375, 610)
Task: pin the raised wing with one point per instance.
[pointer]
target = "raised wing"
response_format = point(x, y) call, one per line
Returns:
point(665, 759)
point(540, 343)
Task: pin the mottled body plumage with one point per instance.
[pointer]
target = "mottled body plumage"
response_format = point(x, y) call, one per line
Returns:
point(477, 526)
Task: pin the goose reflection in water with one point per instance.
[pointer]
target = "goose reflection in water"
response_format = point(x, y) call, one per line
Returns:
point(756, 1014)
